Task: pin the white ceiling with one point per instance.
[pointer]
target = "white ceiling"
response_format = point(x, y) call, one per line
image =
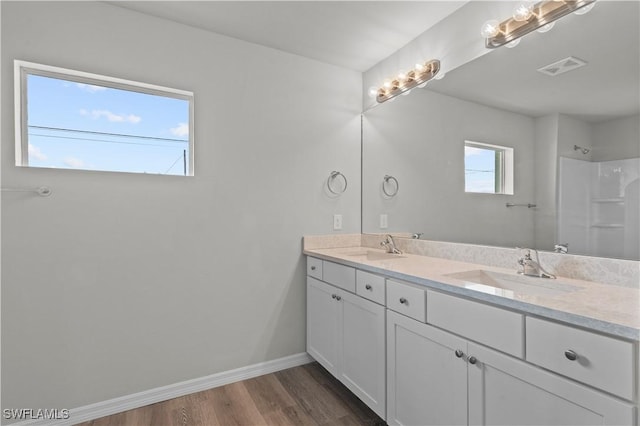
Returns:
point(607, 38)
point(350, 34)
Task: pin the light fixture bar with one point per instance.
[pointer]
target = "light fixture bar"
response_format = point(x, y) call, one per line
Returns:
point(541, 14)
point(405, 82)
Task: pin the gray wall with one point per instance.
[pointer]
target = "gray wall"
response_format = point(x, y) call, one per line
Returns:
point(419, 139)
point(119, 283)
point(616, 139)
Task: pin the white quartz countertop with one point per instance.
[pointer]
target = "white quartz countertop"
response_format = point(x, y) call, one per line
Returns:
point(606, 308)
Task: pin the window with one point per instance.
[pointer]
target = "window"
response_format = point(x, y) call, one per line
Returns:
point(68, 119)
point(488, 168)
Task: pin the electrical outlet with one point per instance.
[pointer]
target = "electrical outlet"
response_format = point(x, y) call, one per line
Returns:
point(337, 222)
point(383, 221)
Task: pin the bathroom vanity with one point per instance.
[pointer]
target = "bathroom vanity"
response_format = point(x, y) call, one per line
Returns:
point(429, 341)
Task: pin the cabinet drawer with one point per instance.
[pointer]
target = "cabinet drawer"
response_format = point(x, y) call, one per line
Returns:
point(339, 275)
point(370, 286)
point(495, 327)
point(407, 300)
point(600, 361)
point(314, 267)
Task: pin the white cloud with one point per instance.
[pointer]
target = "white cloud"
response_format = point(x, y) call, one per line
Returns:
point(181, 130)
point(116, 118)
point(35, 152)
point(90, 87)
point(73, 162)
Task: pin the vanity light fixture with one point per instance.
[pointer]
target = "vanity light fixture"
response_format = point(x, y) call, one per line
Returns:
point(529, 17)
point(404, 82)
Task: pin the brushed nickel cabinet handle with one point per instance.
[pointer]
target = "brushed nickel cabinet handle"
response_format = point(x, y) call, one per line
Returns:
point(473, 360)
point(368, 286)
point(333, 296)
point(403, 301)
point(338, 298)
point(571, 355)
point(313, 268)
point(459, 353)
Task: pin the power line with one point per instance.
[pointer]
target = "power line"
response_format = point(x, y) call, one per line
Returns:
point(101, 140)
point(62, 129)
point(174, 163)
point(479, 171)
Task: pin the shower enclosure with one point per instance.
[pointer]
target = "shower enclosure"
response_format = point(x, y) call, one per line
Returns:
point(599, 207)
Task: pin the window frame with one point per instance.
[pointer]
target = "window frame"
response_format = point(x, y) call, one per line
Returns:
point(24, 68)
point(504, 174)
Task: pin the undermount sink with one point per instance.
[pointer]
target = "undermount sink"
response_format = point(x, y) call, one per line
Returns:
point(375, 255)
point(506, 284)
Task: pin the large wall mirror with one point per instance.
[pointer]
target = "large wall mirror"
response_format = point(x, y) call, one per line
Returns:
point(566, 102)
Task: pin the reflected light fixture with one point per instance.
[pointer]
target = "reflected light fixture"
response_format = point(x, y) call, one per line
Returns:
point(405, 81)
point(528, 17)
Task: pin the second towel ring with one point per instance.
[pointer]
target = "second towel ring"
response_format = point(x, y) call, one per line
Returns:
point(332, 176)
point(386, 180)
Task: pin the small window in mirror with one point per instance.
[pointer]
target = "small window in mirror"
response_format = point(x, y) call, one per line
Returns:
point(488, 168)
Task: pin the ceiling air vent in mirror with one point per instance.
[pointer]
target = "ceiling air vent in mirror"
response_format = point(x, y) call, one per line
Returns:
point(564, 65)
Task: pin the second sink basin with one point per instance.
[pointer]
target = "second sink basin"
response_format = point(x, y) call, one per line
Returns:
point(507, 284)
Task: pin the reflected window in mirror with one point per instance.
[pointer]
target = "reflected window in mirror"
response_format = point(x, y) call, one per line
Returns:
point(488, 168)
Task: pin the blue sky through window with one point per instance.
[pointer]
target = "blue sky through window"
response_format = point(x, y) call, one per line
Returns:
point(83, 126)
point(479, 170)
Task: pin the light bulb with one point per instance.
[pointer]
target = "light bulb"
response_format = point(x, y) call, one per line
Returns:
point(387, 84)
point(490, 29)
point(545, 28)
point(419, 68)
point(513, 43)
point(585, 9)
point(523, 12)
point(402, 77)
point(373, 92)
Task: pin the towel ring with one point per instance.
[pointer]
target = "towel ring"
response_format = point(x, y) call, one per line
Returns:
point(334, 174)
point(386, 180)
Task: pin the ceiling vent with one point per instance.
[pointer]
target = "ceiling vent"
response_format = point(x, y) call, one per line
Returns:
point(564, 65)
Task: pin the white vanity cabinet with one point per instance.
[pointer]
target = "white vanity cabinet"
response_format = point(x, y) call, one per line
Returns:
point(346, 334)
point(435, 378)
point(507, 391)
point(426, 381)
point(453, 360)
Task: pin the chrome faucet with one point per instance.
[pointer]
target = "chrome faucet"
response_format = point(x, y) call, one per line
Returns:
point(390, 245)
point(561, 248)
point(532, 267)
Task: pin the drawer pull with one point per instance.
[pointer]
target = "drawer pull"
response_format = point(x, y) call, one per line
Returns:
point(459, 353)
point(368, 286)
point(403, 301)
point(313, 268)
point(571, 355)
point(338, 298)
point(473, 360)
point(333, 296)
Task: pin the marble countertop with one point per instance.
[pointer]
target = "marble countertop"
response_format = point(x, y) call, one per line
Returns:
point(605, 308)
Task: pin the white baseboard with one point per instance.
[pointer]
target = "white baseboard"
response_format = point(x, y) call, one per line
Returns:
point(163, 393)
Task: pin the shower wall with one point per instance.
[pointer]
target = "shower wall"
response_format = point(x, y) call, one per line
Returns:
point(599, 207)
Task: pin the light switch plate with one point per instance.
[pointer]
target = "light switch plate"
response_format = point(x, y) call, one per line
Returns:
point(337, 222)
point(383, 221)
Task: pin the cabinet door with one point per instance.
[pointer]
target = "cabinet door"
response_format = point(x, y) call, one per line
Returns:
point(507, 391)
point(323, 324)
point(426, 381)
point(362, 362)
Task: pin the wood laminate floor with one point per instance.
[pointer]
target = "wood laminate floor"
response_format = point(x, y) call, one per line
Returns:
point(304, 395)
